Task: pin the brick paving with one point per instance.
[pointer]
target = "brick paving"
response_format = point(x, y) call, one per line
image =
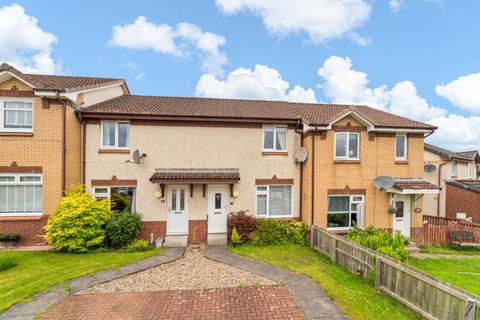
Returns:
point(248, 303)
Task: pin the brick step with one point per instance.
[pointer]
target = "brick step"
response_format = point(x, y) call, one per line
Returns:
point(176, 240)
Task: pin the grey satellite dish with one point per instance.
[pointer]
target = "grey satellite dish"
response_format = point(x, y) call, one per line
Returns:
point(300, 155)
point(383, 182)
point(429, 167)
point(137, 157)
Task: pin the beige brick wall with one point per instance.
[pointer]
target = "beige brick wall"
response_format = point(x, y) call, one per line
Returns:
point(73, 150)
point(377, 158)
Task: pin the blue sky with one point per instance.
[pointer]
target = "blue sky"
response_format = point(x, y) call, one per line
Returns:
point(392, 56)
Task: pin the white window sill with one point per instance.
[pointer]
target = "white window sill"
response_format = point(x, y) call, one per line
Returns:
point(21, 214)
point(273, 217)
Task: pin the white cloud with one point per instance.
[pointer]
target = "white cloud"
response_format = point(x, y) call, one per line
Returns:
point(322, 20)
point(24, 44)
point(463, 92)
point(176, 41)
point(456, 132)
point(395, 5)
point(260, 83)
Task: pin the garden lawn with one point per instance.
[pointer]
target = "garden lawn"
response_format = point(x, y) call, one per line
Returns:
point(470, 251)
point(38, 270)
point(356, 298)
point(462, 272)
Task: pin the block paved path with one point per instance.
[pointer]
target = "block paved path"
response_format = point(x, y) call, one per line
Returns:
point(248, 303)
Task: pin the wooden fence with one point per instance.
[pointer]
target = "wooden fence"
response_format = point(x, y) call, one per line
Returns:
point(436, 229)
point(430, 297)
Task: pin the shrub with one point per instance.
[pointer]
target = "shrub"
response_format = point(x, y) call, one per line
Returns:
point(380, 241)
point(273, 232)
point(122, 228)
point(138, 246)
point(7, 263)
point(77, 225)
point(235, 236)
point(243, 222)
point(10, 237)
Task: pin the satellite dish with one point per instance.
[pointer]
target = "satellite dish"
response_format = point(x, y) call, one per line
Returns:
point(300, 155)
point(383, 182)
point(429, 167)
point(137, 157)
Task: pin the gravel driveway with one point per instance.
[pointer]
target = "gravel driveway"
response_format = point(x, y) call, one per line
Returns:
point(193, 271)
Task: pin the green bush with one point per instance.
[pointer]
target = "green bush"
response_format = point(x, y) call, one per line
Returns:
point(235, 236)
point(78, 224)
point(122, 228)
point(380, 241)
point(10, 237)
point(138, 246)
point(7, 263)
point(274, 232)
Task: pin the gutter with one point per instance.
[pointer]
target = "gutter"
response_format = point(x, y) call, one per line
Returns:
point(300, 202)
point(439, 182)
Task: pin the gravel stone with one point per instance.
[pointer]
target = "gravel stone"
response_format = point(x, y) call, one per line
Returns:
point(193, 271)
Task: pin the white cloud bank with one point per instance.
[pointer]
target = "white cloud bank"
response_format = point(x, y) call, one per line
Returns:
point(260, 83)
point(322, 20)
point(24, 44)
point(463, 92)
point(178, 41)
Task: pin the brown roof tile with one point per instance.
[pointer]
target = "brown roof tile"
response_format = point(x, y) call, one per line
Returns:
point(413, 183)
point(312, 113)
point(168, 174)
point(63, 83)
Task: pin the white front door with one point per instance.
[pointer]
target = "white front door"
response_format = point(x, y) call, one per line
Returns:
point(217, 209)
point(401, 218)
point(177, 210)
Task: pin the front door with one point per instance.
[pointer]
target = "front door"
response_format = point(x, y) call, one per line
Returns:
point(177, 211)
point(401, 218)
point(217, 209)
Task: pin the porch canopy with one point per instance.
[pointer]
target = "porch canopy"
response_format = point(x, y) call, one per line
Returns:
point(413, 186)
point(193, 176)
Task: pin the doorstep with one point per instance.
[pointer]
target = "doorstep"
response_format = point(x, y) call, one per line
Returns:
point(176, 240)
point(217, 239)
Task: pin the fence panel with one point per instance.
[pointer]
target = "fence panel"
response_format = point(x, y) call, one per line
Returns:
point(436, 229)
point(430, 297)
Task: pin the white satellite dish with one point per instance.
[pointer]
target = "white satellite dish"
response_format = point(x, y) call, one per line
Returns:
point(429, 167)
point(137, 157)
point(383, 182)
point(300, 155)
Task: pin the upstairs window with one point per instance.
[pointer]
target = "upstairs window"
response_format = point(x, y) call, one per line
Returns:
point(115, 134)
point(470, 170)
point(346, 145)
point(274, 138)
point(454, 168)
point(16, 115)
point(401, 147)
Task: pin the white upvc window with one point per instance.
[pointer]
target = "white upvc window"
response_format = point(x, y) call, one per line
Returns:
point(120, 197)
point(470, 170)
point(454, 168)
point(401, 147)
point(20, 194)
point(115, 134)
point(16, 115)
point(273, 201)
point(274, 138)
point(345, 211)
point(346, 146)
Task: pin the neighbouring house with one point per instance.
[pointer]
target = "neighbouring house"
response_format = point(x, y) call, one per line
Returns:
point(463, 199)
point(442, 165)
point(185, 163)
point(40, 138)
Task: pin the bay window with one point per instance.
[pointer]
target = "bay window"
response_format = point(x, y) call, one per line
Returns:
point(346, 145)
point(115, 134)
point(274, 138)
point(20, 194)
point(274, 201)
point(16, 115)
point(345, 211)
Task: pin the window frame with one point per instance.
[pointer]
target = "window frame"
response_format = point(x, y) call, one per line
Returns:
point(116, 123)
point(405, 147)
point(267, 193)
point(274, 138)
point(107, 195)
point(346, 157)
point(454, 169)
point(350, 201)
point(3, 101)
point(17, 182)
point(470, 170)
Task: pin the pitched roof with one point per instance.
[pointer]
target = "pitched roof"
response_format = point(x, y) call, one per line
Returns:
point(468, 154)
point(413, 183)
point(163, 175)
point(311, 113)
point(471, 185)
point(62, 83)
point(465, 156)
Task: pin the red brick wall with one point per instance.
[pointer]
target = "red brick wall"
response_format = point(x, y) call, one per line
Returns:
point(158, 228)
point(461, 200)
point(199, 227)
point(31, 230)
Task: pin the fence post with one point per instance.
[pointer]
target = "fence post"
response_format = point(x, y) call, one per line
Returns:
point(311, 237)
point(334, 250)
point(470, 309)
point(378, 271)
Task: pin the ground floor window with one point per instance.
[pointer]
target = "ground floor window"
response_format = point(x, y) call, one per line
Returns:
point(20, 194)
point(345, 211)
point(274, 201)
point(121, 198)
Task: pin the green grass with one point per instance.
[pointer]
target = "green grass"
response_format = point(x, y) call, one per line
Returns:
point(356, 298)
point(449, 250)
point(464, 273)
point(7, 263)
point(38, 270)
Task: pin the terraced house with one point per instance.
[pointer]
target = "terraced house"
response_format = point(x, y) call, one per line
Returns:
point(185, 163)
